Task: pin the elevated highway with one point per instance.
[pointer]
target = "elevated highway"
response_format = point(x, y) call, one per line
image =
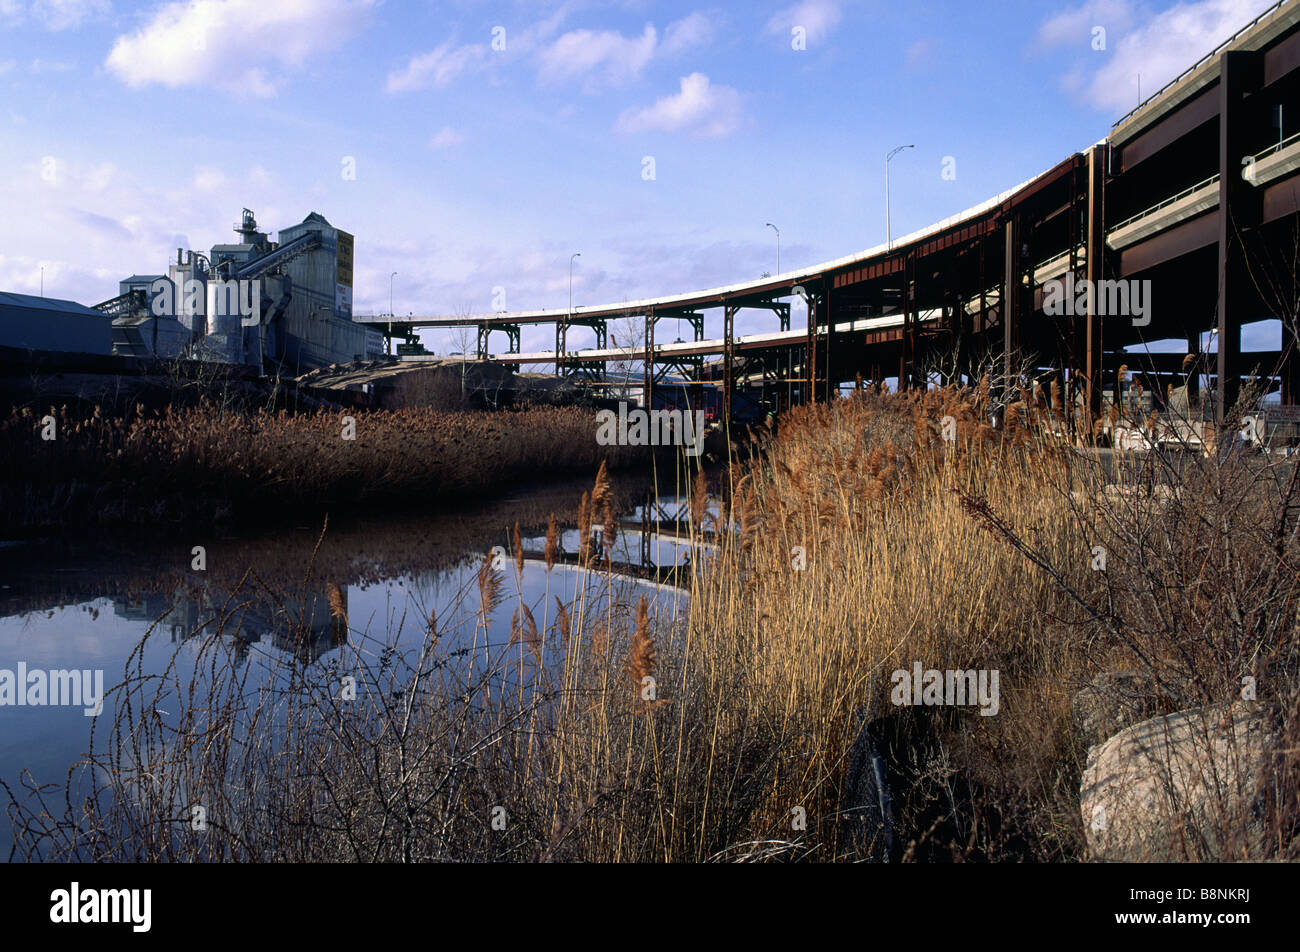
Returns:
point(1194, 191)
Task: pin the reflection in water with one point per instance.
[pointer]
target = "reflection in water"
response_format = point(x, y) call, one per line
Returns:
point(361, 592)
point(191, 612)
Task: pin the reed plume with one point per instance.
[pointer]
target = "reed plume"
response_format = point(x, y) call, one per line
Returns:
point(609, 531)
point(338, 607)
point(584, 528)
point(641, 660)
point(562, 621)
point(699, 500)
point(489, 589)
point(552, 542)
point(600, 490)
point(524, 627)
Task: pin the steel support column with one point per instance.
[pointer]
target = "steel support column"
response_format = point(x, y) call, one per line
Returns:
point(905, 355)
point(830, 336)
point(1011, 301)
point(647, 393)
point(810, 355)
point(1240, 73)
point(728, 360)
point(1095, 263)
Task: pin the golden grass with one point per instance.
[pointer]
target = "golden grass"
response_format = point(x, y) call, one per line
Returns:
point(869, 536)
point(202, 462)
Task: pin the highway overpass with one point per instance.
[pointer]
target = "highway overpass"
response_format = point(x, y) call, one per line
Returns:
point(1195, 191)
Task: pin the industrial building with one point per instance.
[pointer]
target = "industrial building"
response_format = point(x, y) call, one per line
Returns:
point(31, 323)
point(299, 289)
point(294, 312)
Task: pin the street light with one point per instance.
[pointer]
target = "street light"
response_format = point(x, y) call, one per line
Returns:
point(778, 246)
point(889, 238)
point(390, 313)
point(576, 254)
point(562, 339)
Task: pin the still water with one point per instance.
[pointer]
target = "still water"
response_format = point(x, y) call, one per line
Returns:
point(360, 586)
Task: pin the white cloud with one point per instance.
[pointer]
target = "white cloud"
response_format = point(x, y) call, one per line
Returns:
point(208, 179)
point(688, 32)
point(595, 57)
point(1075, 26)
point(95, 177)
point(920, 52)
point(448, 61)
point(39, 66)
point(53, 14)
point(446, 138)
point(438, 67)
point(817, 17)
point(217, 42)
point(700, 108)
point(59, 172)
point(584, 52)
point(1158, 50)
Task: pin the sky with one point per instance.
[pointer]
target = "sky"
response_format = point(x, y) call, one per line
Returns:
point(473, 147)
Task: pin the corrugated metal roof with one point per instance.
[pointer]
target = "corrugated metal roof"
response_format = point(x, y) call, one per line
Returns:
point(32, 302)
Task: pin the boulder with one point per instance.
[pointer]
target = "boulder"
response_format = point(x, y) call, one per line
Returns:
point(1183, 786)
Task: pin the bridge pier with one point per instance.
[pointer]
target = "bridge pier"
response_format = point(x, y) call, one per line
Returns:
point(647, 389)
point(1240, 75)
point(728, 360)
point(1095, 262)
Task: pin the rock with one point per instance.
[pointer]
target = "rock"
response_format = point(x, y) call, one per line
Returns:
point(1184, 786)
point(868, 808)
point(1115, 700)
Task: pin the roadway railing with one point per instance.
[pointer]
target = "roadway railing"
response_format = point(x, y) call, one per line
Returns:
point(1199, 63)
point(1288, 141)
point(1166, 203)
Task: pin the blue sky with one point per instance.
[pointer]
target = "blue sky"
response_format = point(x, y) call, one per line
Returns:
point(127, 130)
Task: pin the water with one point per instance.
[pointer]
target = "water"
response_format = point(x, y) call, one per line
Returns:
point(87, 604)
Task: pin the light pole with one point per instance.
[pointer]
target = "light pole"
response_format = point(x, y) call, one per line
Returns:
point(778, 246)
point(576, 254)
point(42, 280)
point(390, 313)
point(889, 238)
point(562, 343)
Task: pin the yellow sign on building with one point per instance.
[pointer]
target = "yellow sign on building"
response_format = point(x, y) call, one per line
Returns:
point(345, 259)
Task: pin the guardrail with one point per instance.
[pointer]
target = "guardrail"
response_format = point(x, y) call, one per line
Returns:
point(1199, 63)
point(1081, 250)
point(1288, 141)
point(1168, 201)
